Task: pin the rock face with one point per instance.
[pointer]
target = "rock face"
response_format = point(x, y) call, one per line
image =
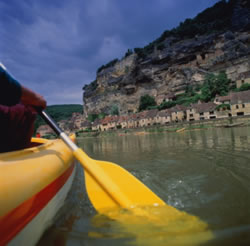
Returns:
point(168, 71)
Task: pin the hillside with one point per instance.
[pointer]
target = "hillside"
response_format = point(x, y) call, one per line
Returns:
point(216, 40)
point(59, 112)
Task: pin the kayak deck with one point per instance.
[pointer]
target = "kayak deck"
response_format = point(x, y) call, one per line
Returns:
point(30, 179)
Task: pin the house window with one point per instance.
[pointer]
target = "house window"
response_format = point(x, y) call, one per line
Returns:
point(243, 105)
point(212, 117)
point(211, 112)
point(191, 115)
point(240, 113)
point(201, 113)
point(237, 106)
point(202, 118)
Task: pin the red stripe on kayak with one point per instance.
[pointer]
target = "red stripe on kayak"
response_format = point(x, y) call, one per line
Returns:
point(12, 223)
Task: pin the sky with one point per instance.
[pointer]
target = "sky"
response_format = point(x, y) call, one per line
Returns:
point(55, 47)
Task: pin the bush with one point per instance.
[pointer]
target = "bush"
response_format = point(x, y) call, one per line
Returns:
point(92, 117)
point(128, 53)
point(114, 110)
point(165, 105)
point(224, 106)
point(109, 64)
point(146, 101)
point(244, 87)
point(215, 85)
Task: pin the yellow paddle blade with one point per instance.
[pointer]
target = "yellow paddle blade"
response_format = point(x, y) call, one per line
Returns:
point(137, 193)
point(115, 192)
point(173, 227)
point(108, 185)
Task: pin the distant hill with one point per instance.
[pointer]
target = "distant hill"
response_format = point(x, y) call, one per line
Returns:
point(59, 112)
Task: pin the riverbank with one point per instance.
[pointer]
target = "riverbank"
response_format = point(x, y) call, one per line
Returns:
point(172, 127)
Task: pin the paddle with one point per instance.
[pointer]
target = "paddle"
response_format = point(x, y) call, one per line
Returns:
point(111, 187)
point(107, 184)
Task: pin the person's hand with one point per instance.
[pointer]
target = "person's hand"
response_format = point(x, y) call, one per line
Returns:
point(32, 98)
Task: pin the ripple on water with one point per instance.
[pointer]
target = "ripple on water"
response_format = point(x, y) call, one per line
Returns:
point(204, 173)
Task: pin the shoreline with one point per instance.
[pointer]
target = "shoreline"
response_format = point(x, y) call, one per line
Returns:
point(178, 127)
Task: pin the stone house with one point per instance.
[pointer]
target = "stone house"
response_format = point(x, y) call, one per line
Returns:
point(77, 119)
point(63, 124)
point(244, 79)
point(222, 99)
point(96, 126)
point(240, 103)
point(152, 117)
point(109, 123)
point(133, 121)
point(164, 117)
point(142, 117)
point(122, 122)
point(201, 111)
point(223, 112)
point(178, 113)
point(85, 125)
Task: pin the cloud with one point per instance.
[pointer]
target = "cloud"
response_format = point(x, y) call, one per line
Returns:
point(55, 47)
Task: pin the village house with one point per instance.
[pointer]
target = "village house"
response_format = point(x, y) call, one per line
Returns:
point(244, 79)
point(133, 121)
point(122, 122)
point(201, 111)
point(96, 126)
point(164, 117)
point(152, 117)
point(63, 124)
point(222, 99)
point(240, 103)
point(109, 123)
point(104, 123)
point(178, 113)
point(142, 117)
point(77, 120)
point(85, 125)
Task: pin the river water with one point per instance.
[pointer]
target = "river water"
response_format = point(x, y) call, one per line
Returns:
point(205, 173)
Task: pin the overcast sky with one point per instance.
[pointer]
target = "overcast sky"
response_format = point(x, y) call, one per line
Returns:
point(55, 46)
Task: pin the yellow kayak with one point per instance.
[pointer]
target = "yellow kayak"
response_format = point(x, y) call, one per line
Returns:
point(34, 183)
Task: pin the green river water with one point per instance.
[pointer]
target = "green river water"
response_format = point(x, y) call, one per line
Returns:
point(205, 173)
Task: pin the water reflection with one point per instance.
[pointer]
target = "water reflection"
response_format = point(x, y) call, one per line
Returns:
point(205, 173)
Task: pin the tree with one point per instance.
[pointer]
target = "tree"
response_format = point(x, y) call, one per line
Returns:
point(128, 53)
point(92, 117)
point(114, 110)
point(146, 101)
point(215, 85)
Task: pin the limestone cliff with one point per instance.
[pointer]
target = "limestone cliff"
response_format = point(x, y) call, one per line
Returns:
point(173, 64)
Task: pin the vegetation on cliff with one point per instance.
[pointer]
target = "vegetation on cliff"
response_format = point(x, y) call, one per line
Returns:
point(214, 85)
point(177, 62)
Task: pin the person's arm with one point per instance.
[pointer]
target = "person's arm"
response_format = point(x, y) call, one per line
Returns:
point(29, 97)
point(12, 92)
point(10, 89)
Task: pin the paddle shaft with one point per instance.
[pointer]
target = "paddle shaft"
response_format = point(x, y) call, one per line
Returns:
point(93, 169)
point(58, 130)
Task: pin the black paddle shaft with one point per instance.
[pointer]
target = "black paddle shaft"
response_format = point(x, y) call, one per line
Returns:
point(50, 122)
